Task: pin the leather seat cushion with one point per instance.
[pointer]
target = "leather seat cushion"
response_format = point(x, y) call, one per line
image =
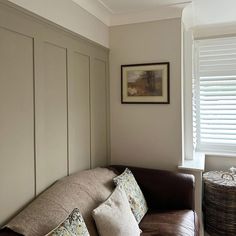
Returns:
point(179, 223)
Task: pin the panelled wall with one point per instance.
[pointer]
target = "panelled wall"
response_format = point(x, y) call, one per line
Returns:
point(53, 107)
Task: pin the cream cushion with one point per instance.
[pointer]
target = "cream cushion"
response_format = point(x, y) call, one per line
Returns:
point(114, 217)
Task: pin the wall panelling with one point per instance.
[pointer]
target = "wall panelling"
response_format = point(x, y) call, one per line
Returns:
point(79, 112)
point(53, 104)
point(16, 121)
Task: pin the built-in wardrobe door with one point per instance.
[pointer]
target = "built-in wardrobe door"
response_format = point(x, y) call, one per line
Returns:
point(51, 113)
point(99, 110)
point(16, 121)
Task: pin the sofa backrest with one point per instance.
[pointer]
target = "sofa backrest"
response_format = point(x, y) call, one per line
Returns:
point(84, 190)
point(163, 189)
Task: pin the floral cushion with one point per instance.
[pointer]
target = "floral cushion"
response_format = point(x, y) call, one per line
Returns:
point(74, 225)
point(134, 194)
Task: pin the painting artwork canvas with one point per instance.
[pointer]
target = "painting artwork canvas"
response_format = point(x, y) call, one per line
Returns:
point(145, 83)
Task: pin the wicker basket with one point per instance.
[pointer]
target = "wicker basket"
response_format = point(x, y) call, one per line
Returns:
point(219, 203)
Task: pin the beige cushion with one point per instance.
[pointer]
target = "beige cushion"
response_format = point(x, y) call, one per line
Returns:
point(114, 217)
point(73, 225)
point(84, 190)
point(134, 194)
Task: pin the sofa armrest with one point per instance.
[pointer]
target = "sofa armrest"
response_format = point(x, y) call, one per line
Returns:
point(163, 189)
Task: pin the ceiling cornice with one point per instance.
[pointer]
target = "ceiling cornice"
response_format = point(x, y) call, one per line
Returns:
point(161, 13)
point(108, 8)
point(102, 12)
point(97, 9)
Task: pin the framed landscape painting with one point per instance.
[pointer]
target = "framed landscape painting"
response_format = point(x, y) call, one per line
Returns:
point(145, 83)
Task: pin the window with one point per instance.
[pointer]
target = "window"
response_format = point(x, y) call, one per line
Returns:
point(214, 95)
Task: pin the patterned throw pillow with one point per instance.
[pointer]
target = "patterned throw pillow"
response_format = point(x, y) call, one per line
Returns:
point(134, 194)
point(74, 225)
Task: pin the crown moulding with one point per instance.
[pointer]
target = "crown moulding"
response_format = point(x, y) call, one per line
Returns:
point(109, 18)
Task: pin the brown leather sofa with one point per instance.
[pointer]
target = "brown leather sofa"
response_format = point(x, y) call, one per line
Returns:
point(170, 199)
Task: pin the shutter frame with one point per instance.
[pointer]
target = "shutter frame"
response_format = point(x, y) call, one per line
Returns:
point(214, 95)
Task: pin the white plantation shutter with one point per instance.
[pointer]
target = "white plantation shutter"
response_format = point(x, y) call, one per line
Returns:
point(214, 95)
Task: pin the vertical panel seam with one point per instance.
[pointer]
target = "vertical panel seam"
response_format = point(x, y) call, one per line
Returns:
point(34, 120)
point(90, 112)
point(67, 113)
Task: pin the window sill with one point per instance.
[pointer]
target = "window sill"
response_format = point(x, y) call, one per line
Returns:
point(197, 164)
point(220, 154)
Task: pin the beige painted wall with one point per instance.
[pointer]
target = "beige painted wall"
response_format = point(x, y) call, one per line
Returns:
point(53, 103)
point(70, 15)
point(146, 135)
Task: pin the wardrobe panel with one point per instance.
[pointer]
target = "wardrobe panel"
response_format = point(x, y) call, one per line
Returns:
point(79, 112)
point(51, 116)
point(98, 114)
point(16, 122)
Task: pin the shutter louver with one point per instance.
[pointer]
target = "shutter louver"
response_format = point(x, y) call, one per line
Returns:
point(214, 94)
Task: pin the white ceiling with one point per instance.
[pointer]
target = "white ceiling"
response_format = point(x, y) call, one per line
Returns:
point(208, 12)
point(118, 12)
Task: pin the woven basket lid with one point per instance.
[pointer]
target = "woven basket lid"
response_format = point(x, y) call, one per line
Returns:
point(222, 178)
